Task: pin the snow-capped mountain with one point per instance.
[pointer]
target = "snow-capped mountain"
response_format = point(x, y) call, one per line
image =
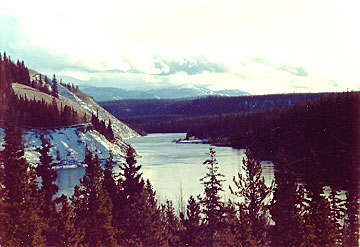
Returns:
point(174, 92)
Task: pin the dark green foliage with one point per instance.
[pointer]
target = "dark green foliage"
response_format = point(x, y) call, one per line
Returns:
point(92, 205)
point(71, 87)
point(67, 234)
point(192, 222)
point(338, 210)
point(172, 227)
point(38, 113)
point(252, 193)
point(21, 223)
point(212, 205)
point(286, 208)
point(30, 112)
point(45, 171)
point(140, 217)
point(54, 88)
point(100, 126)
point(327, 127)
point(351, 224)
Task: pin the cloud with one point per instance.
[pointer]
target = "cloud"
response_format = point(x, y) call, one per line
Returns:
point(191, 65)
point(333, 83)
point(294, 70)
point(298, 71)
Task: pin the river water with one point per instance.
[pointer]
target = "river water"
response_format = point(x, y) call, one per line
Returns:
point(174, 169)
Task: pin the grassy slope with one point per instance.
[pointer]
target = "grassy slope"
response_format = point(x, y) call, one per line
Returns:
point(30, 93)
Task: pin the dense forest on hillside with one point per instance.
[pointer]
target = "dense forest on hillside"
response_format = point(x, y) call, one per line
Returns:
point(110, 209)
point(323, 123)
point(206, 105)
point(35, 113)
point(31, 112)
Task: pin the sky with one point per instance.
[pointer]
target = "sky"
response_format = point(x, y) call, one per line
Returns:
point(257, 46)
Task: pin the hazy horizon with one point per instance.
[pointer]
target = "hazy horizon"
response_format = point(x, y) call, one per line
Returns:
point(259, 47)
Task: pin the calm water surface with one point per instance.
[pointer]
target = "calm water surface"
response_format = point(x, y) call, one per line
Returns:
point(174, 169)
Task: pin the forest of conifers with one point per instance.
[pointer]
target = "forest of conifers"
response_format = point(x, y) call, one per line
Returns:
point(326, 124)
point(36, 113)
point(109, 209)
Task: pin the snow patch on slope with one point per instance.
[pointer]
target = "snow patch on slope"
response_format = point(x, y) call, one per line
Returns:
point(70, 143)
point(88, 104)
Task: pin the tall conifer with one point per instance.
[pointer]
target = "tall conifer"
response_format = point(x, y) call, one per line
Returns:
point(21, 223)
point(213, 207)
point(45, 170)
point(252, 193)
point(93, 206)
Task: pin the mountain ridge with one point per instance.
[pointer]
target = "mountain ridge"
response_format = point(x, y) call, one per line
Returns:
point(102, 94)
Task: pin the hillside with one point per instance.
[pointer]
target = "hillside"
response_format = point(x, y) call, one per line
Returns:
point(207, 105)
point(31, 93)
point(38, 106)
point(69, 144)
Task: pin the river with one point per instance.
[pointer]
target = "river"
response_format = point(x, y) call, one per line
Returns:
point(174, 169)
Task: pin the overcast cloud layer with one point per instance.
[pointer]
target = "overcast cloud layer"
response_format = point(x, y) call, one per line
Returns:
point(258, 46)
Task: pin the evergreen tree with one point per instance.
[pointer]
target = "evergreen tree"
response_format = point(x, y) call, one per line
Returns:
point(140, 218)
point(338, 210)
point(54, 88)
point(45, 170)
point(21, 223)
point(252, 193)
point(92, 205)
point(319, 229)
point(192, 222)
point(285, 208)
point(351, 223)
point(172, 224)
point(212, 205)
point(109, 132)
point(67, 234)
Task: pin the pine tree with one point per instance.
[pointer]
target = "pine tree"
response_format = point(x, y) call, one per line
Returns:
point(338, 210)
point(172, 224)
point(45, 170)
point(212, 205)
point(319, 229)
point(131, 203)
point(92, 205)
point(21, 223)
point(54, 88)
point(285, 208)
point(140, 219)
point(152, 219)
point(67, 234)
point(192, 222)
point(352, 222)
point(252, 193)
point(109, 132)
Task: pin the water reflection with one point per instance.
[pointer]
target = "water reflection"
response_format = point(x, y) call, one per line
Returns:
point(174, 169)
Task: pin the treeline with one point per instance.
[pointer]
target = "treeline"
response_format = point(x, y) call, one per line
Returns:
point(31, 112)
point(70, 86)
point(207, 105)
point(101, 127)
point(12, 72)
point(122, 210)
point(38, 113)
point(327, 126)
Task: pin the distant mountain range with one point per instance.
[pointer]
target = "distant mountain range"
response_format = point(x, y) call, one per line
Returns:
point(175, 92)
